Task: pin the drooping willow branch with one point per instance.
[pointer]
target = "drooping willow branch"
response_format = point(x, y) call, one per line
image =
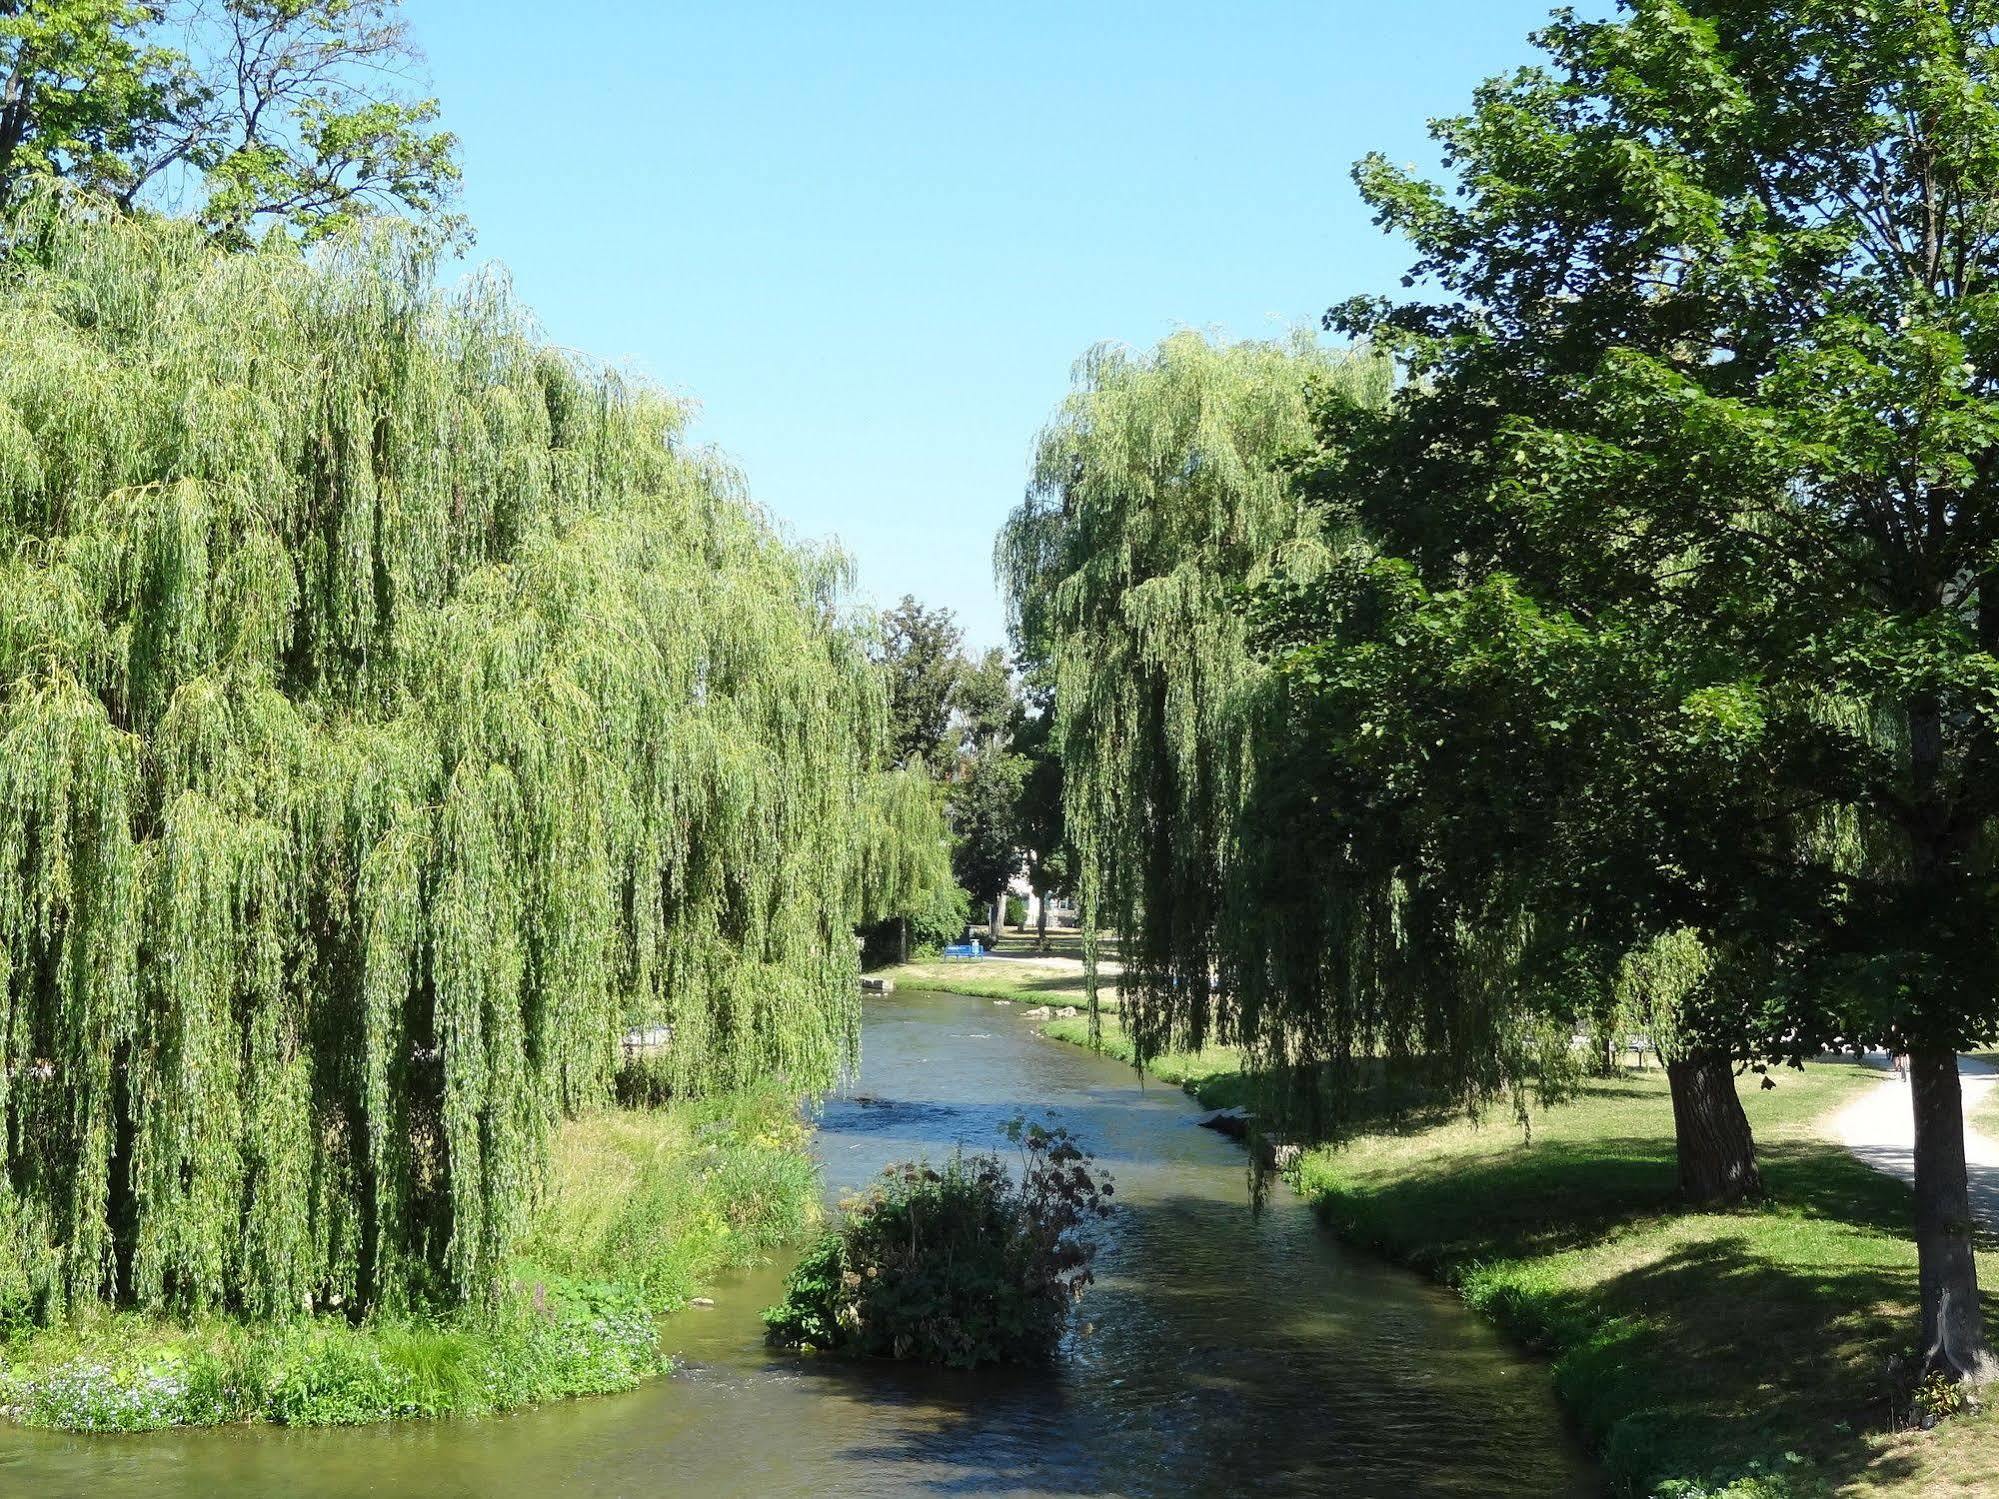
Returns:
point(1247, 910)
point(1159, 495)
point(392, 716)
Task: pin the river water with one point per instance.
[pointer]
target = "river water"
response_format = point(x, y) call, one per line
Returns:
point(1225, 1351)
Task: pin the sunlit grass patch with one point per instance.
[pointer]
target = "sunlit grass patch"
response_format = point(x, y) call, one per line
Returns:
point(1686, 1343)
point(1212, 1075)
point(731, 1177)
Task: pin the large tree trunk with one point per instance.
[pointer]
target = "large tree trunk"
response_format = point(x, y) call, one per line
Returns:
point(999, 913)
point(1717, 1153)
point(1041, 921)
point(1953, 1330)
point(902, 939)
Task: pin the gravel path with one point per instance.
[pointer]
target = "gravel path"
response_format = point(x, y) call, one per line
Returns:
point(1879, 1129)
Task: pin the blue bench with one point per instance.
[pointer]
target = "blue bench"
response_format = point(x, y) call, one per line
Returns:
point(964, 950)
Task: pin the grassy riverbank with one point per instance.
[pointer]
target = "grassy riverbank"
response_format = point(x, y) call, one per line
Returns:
point(641, 1209)
point(1693, 1348)
point(1687, 1344)
point(1019, 970)
point(1212, 1076)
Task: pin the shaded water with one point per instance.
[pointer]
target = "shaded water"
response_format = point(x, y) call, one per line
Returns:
point(1229, 1352)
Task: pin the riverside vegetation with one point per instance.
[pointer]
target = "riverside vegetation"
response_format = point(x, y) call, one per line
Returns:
point(1593, 651)
point(393, 717)
point(642, 1208)
point(974, 1263)
point(1749, 1352)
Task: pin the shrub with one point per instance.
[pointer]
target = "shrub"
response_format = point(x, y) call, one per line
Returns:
point(964, 1266)
point(1016, 911)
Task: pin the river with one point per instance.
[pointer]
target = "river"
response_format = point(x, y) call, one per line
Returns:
point(1221, 1352)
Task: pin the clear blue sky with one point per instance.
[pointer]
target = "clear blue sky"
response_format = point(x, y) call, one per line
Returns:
point(871, 239)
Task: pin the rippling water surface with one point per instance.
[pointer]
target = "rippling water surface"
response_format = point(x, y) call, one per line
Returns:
point(1227, 1352)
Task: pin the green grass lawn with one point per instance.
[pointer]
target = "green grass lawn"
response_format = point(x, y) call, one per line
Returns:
point(1986, 1118)
point(1022, 977)
point(1020, 983)
point(1213, 1075)
point(1687, 1344)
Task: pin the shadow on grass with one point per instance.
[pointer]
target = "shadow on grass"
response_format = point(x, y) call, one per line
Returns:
point(1685, 1343)
point(1716, 1355)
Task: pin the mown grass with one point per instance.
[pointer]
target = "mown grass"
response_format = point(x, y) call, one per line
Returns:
point(1017, 982)
point(1018, 970)
point(642, 1208)
point(1985, 1118)
point(1690, 1346)
point(1213, 1076)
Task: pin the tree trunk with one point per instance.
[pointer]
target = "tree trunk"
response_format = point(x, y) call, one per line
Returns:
point(1716, 1152)
point(902, 939)
point(999, 911)
point(1041, 921)
point(1953, 1332)
point(13, 110)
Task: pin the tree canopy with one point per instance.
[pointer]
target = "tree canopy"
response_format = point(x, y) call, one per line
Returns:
point(392, 716)
point(1638, 653)
point(920, 655)
point(1713, 394)
point(241, 113)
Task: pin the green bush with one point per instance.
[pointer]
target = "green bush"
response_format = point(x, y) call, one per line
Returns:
point(1016, 911)
point(964, 1266)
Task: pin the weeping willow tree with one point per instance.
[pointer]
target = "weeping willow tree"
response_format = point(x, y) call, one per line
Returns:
point(393, 716)
point(905, 857)
point(1159, 494)
point(1275, 883)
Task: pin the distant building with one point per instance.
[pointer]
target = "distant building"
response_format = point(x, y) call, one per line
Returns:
point(1062, 910)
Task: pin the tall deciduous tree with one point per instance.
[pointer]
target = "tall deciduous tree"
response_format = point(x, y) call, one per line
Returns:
point(1043, 832)
point(984, 703)
point(242, 113)
point(920, 656)
point(984, 810)
point(1721, 298)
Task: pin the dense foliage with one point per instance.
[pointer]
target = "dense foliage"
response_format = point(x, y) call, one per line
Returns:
point(920, 655)
point(1714, 401)
point(392, 716)
point(965, 1266)
point(1160, 494)
point(1642, 657)
point(909, 897)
